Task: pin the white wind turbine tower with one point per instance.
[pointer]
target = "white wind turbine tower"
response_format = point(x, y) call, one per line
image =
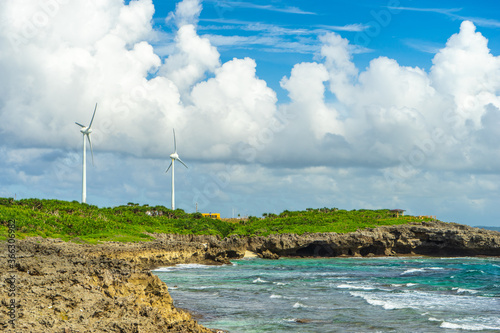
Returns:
point(86, 132)
point(174, 157)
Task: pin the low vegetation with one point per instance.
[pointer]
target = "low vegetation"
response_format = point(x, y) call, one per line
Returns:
point(320, 220)
point(87, 223)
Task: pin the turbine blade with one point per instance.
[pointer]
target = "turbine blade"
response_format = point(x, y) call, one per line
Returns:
point(178, 159)
point(169, 166)
point(91, 151)
point(79, 124)
point(93, 115)
point(175, 144)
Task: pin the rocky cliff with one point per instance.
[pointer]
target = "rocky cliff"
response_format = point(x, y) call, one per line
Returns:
point(67, 287)
point(428, 238)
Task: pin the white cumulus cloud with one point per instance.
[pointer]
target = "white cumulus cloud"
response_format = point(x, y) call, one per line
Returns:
point(402, 125)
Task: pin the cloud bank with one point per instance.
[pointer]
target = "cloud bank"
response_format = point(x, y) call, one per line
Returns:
point(403, 126)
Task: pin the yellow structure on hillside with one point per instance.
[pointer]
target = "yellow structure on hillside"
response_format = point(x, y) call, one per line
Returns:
point(427, 217)
point(212, 215)
point(398, 212)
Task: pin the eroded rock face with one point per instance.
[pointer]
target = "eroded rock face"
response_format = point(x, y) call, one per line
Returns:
point(67, 287)
point(429, 238)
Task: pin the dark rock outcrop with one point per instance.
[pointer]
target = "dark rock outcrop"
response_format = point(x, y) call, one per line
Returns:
point(266, 254)
point(428, 238)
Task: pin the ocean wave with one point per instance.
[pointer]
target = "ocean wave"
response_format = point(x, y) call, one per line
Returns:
point(275, 296)
point(409, 284)
point(180, 267)
point(468, 326)
point(299, 305)
point(259, 280)
point(475, 271)
point(421, 270)
point(355, 287)
point(384, 303)
point(202, 287)
point(280, 283)
point(463, 290)
point(329, 274)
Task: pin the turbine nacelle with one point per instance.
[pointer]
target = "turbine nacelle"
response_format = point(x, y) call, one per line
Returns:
point(174, 156)
point(86, 130)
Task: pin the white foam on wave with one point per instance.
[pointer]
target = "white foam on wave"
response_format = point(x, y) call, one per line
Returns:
point(280, 283)
point(467, 327)
point(182, 267)
point(426, 301)
point(202, 287)
point(471, 323)
point(355, 287)
point(299, 305)
point(328, 274)
point(259, 280)
point(275, 296)
point(387, 304)
point(475, 270)
point(399, 285)
point(413, 270)
point(463, 290)
point(421, 270)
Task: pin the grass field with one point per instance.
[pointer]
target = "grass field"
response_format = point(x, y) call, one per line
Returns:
point(130, 223)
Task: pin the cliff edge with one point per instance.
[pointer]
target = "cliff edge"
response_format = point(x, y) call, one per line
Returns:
point(67, 287)
point(427, 238)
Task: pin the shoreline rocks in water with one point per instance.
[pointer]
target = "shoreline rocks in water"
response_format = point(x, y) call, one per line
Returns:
point(67, 287)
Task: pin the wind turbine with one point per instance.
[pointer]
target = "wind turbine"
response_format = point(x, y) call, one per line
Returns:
point(174, 156)
point(86, 130)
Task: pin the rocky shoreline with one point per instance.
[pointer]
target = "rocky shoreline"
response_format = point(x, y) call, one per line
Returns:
point(68, 287)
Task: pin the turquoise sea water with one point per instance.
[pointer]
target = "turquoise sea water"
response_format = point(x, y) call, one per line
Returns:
point(341, 294)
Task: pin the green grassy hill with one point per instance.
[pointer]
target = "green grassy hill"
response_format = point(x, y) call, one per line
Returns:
point(131, 222)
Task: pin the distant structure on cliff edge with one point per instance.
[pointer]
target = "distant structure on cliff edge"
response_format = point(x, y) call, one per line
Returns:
point(212, 215)
point(398, 212)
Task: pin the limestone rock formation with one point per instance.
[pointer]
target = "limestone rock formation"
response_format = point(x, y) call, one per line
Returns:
point(66, 287)
point(428, 238)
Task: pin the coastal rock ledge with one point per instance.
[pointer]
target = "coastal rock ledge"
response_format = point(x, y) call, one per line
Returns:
point(426, 238)
point(68, 287)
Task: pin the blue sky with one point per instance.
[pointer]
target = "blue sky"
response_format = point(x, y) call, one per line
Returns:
point(276, 104)
point(280, 34)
